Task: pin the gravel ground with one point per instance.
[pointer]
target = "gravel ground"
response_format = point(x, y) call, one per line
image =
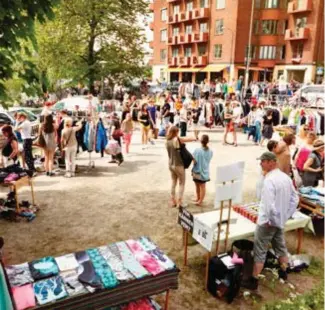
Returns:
point(112, 203)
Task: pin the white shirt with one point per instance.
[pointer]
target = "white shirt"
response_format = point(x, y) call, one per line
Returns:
point(255, 90)
point(259, 115)
point(206, 88)
point(237, 113)
point(183, 115)
point(26, 129)
point(279, 199)
point(218, 88)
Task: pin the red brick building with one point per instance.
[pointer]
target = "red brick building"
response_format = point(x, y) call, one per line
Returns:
point(197, 39)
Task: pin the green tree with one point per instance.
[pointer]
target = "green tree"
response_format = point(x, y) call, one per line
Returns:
point(17, 21)
point(89, 39)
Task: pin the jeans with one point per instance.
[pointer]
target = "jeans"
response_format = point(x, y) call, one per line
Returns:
point(28, 151)
point(70, 158)
point(258, 134)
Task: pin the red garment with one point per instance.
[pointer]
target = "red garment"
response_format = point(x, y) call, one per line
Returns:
point(142, 304)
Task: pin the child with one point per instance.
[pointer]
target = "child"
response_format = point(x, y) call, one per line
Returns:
point(127, 129)
point(200, 172)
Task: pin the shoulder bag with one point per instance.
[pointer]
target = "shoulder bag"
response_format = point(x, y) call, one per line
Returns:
point(186, 156)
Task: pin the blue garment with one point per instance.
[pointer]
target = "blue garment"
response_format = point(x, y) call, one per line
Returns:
point(89, 136)
point(258, 133)
point(152, 111)
point(239, 85)
point(202, 157)
point(101, 138)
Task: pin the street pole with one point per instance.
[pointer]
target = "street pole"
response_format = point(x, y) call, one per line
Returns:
point(249, 46)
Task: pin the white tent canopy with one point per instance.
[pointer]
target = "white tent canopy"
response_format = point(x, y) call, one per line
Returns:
point(85, 103)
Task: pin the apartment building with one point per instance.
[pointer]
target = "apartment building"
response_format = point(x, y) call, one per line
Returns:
point(198, 39)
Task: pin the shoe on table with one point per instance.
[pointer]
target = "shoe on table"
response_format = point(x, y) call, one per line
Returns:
point(251, 284)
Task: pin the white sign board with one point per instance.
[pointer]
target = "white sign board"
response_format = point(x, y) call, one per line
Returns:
point(233, 191)
point(230, 172)
point(203, 234)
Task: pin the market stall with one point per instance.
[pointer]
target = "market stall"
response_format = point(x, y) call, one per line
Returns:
point(108, 276)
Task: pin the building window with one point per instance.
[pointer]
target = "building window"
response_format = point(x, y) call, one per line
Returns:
point(256, 25)
point(203, 27)
point(285, 4)
point(283, 26)
point(175, 52)
point(163, 15)
point(163, 35)
point(176, 9)
point(301, 22)
point(189, 6)
point(257, 4)
point(271, 4)
point(218, 51)
point(188, 52)
point(298, 50)
point(253, 52)
point(188, 29)
point(267, 52)
point(220, 4)
point(282, 52)
point(204, 4)
point(269, 26)
point(202, 50)
point(163, 55)
point(175, 31)
point(280, 72)
point(219, 26)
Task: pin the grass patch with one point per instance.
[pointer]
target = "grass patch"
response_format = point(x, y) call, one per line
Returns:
point(314, 300)
point(315, 269)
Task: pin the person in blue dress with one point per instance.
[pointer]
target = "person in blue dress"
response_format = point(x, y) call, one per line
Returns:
point(201, 169)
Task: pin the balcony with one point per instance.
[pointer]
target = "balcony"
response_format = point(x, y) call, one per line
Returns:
point(184, 61)
point(188, 37)
point(172, 19)
point(199, 61)
point(151, 26)
point(300, 6)
point(172, 61)
point(201, 37)
point(298, 34)
point(151, 7)
point(174, 40)
point(200, 13)
point(151, 44)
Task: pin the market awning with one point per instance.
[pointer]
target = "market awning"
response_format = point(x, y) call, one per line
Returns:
point(184, 69)
point(253, 68)
point(214, 68)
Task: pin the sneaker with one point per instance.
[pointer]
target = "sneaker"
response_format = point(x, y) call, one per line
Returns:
point(47, 173)
point(283, 274)
point(152, 142)
point(251, 284)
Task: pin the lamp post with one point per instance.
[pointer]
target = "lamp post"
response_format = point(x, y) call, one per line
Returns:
point(249, 46)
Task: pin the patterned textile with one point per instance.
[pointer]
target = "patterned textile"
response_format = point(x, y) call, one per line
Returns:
point(121, 273)
point(43, 268)
point(147, 244)
point(163, 260)
point(130, 262)
point(102, 269)
point(23, 297)
point(49, 290)
point(144, 258)
point(19, 275)
point(72, 284)
point(67, 262)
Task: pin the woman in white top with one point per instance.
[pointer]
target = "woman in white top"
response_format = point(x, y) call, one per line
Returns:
point(258, 122)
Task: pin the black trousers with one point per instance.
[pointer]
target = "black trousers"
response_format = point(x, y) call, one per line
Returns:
point(28, 151)
point(183, 127)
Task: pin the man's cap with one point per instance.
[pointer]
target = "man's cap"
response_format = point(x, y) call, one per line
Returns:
point(268, 156)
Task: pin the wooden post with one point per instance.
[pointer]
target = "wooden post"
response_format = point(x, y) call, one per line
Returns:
point(32, 189)
point(300, 233)
point(185, 247)
point(219, 227)
point(207, 270)
point(228, 224)
point(167, 300)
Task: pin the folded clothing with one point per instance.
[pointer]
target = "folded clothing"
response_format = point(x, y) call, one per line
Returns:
point(102, 269)
point(43, 268)
point(19, 275)
point(67, 262)
point(72, 284)
point(23, 296)
point(49, 290)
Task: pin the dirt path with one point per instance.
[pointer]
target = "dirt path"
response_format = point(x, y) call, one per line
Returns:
point(112, 203)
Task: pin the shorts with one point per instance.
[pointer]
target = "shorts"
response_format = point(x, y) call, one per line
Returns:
point(145, 128)
point(200, 181)
point(195, 126)
point(230, 126)
point(263, 237)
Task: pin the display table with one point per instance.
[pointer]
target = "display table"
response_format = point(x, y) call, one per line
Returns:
point(16, 185)
point(315, 208)
point(204, 228)
point(104, 267)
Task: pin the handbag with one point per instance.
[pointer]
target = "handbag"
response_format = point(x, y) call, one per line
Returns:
point(41, 140)
point(117, 134)
point(186, 156)
point(64, 145)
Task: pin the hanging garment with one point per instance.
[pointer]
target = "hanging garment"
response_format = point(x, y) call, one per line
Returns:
point(101, 137)
point(72, 284)
point(129, 260)
point(19, 275)
point(144, 258)
point(102, 269)
point(322, 125)
point(23, 297)
point(43, 268)
point(89, 136)
point(143, 304)
point(49, 290)
point(122, 274)
point(80, 137)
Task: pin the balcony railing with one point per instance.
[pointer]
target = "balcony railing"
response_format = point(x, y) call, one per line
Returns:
point(201, 37)
point(184, 61)
point(200, 13)
point(298, 34)
point(172, 19)
point(172, 61)
point(199, 61)
point(296, 59)
point(151, 7)
point(174, 40)
point(151, 26)
point(300, 6)
point(188, 37)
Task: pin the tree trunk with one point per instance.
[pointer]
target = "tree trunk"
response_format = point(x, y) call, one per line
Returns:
point(91, 58)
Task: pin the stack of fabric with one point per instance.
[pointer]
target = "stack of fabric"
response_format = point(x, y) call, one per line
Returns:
point(134, 269)
point(314, 195)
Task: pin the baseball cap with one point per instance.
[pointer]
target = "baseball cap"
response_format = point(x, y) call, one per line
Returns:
point(268, 156)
